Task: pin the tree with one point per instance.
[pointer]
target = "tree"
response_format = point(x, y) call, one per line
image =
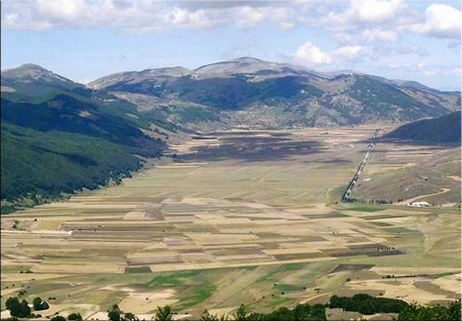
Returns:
point(58, 318)
point(241, 313)
point(74, 317)
point(164, 314)
point(130, 317)
point(207, 316)
point(431, 313)
point(20, 310)
point(367, 307)
point(39, 304)
point(11, 302)
point(114, 315)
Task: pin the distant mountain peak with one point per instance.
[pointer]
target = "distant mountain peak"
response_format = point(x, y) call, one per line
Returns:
point(247, 59)
point(168, 71)
point(31, 66)
point(32, 73)
point(28, 70)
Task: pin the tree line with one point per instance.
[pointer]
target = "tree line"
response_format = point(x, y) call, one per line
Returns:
point(362, 303)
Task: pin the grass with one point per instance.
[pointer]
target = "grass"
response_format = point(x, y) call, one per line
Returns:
point(288, 288)
point(139, 269)
point(400, 230)
point(195, 295)
point(173, 278)
point(282, 269)
point(365, 209)
point(441, 275)
point(278, 301)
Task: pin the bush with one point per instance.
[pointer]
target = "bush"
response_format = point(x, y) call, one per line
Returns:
point(18, 309)
point(366, 304)
point(39, 304)
point(431, 313)
point(163, 314)
point(130, 317)
point(10, 302)
point(114, 315)
point(74, 316)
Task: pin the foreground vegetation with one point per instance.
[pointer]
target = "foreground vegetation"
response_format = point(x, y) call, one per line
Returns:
point(362, 303)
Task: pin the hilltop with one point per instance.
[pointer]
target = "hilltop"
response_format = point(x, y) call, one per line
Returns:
point(444, 129)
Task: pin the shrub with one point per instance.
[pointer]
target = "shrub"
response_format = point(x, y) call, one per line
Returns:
point(74, 316)
point(164, 314)
point(18, 309)
point(39, 304)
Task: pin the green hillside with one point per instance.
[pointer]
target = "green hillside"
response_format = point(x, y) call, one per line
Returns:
point(58, 137)
point(39, 165)
point(444, 129)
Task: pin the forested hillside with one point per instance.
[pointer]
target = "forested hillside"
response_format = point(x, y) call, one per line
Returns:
point(444, 129)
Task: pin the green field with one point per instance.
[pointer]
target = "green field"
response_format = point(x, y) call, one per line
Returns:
point(253, 217)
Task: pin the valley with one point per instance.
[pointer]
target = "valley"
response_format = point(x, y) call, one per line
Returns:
point(238, 216)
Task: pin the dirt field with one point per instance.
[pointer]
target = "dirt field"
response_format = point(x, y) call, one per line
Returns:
point(252, 217)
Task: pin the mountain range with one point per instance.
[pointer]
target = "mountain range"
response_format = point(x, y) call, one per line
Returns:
point(59, 136)
point(267, 94)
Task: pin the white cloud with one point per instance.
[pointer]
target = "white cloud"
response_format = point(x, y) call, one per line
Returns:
point(457, 71)
point(374, 35)
point(357, 22)
point(140, 16)
point(349, 52)
point(249, 16)
point(408, 66)
point(368, 12)
point(61, 9)
point(441, 21)
point(309, 54)
point(374, 11)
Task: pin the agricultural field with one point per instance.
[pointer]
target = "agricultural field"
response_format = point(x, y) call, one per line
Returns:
point(236, 217)
point(419, 173)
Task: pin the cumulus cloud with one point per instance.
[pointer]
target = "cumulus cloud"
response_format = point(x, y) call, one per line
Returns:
point(349, 52)
point(441, 21)
point(367, 12)
point(140, 16)
point(358, 22)
point(375, 34)
point(311, 55)
point(374, 11)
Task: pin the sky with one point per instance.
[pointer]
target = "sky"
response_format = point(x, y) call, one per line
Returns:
point(87, 39)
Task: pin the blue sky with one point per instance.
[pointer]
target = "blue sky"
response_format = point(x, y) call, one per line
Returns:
point(87, 39)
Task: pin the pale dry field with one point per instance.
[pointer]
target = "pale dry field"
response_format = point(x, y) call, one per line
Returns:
point(252, 217)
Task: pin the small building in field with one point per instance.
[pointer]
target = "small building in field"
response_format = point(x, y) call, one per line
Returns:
point(419, 204)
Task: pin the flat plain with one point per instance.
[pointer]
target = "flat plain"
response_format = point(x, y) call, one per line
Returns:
point(237, 217)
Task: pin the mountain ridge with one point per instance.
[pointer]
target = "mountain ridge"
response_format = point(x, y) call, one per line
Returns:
point(443, 129)
point(131, 115)
point(292, 95)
